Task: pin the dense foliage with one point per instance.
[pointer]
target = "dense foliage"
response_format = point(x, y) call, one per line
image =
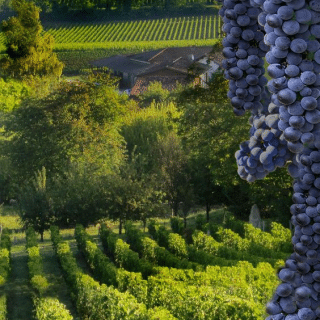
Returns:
point(29, 52)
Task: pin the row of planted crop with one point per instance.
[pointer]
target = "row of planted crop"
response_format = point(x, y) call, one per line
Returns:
point(95, 301)
point(5, 268)
point(182, 28)
point(238, 292)
point(203, 249)
point(45, 307)
point(255, 242)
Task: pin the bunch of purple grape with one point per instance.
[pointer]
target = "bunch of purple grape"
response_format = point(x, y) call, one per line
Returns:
point(267, 148)
point(285, 130)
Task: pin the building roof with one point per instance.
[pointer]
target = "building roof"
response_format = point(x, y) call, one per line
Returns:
point(146, 62)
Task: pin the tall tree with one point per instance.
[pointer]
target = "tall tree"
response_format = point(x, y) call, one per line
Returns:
point(35, 205)
point(28, 51)
point(77, 122)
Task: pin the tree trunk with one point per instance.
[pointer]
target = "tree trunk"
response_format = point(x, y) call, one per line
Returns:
point(208, 207)
point(120, 226)
point(41, 234)
point(185, 221)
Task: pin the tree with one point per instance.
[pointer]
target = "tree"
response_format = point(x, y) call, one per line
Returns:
point(211, 134)
point(76, 123)
point(35, 204)
point(131, 196)
point(154, 93)
point(28, 52)
point(175, 175)
point(12, 92)
point(143, 129)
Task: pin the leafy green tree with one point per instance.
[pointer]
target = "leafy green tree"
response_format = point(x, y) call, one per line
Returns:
point(28, 52)
point(35, 204)
point(211, 133)
point(78, 197)
point(131, 196)
point(175, 175)
point(76, 123)
point(12, 92)
point(154, 93)
point(142, 129)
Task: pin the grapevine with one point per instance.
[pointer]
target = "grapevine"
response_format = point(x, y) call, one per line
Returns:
point(285, 126)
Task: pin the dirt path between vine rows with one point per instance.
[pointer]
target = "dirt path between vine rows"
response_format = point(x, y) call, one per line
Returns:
point(17, 289)
point(58, 287)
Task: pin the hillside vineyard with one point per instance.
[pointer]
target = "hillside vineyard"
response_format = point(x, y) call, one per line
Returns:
point(285, 126)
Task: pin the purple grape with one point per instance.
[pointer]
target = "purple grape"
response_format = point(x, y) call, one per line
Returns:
point(313, 116)
point(294, 58)
point(308, 77)
point(291, 27)
point(314, 5)
point(240, 9)
point(287, 96)
point(296, 109)
point(315, 30)
point(306, 314)
point(292, 71)
point(247, 35)
point(297, 4)
point(243, 20)
point(303, 16)
point(285, 12)
point(298, 45)
point(308, 103)
point(295, 84)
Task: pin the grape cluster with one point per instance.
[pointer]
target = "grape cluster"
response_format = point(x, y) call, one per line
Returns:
point(292, 33)
point(266, 150)
point(244, 49)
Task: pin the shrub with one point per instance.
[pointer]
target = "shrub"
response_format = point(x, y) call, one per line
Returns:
point(134, 236)
point(31, 238)
point(177, 245)
point(51, 309)
point(35, 262)
point(149, 249)
point(3, 307)
point(126, 258)
point(4, 265)
point(201, 222)
point(40, 284)
point(108, 239)
point(5, 242)
point(232, 239)
point(177, 225)
point(160, 313)
point(201, 241)
point(162, 236)
point(152, 228)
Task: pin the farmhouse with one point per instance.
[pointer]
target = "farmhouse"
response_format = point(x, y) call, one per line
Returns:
point(168, 66)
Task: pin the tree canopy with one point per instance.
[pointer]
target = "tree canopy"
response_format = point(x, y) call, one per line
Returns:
point(28, 50)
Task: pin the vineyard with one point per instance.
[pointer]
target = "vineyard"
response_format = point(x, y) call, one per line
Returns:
point(202, 29)
point(164, 273)
point(77, 44)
